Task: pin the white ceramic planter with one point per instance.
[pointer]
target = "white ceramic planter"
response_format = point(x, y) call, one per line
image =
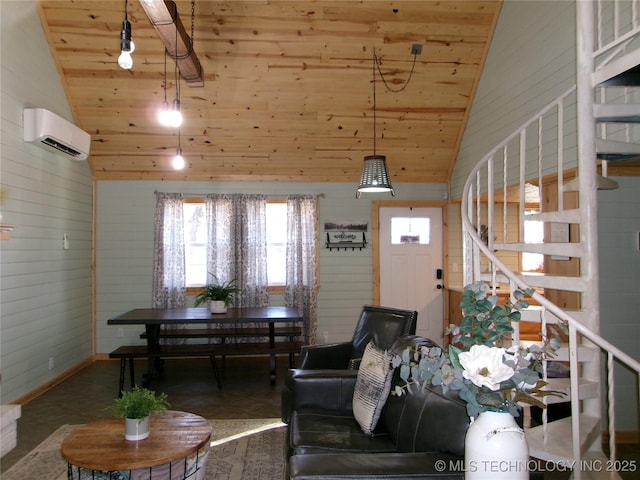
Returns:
point(217, 306)
point(496, 448)
point(136, 429)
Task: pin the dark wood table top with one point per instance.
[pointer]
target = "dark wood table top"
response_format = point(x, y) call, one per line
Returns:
point(101, 445)
point(203, 315)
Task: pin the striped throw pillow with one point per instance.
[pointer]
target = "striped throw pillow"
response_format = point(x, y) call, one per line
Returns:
point(373, 385)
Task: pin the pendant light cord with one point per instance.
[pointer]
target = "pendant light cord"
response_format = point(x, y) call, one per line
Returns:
point(165, 75)
point(376, 62)
point(376, 65)
point(175, 70)
point(374, 100)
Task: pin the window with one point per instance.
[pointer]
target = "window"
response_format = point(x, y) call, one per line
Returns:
point(195, 240)
point(276, 242)
point(410, 230)
point(533, 233)
point(195, 243)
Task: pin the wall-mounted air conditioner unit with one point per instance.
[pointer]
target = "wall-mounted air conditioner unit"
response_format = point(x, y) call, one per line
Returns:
point(54, 133)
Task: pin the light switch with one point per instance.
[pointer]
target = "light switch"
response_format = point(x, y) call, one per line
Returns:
point(65, 241)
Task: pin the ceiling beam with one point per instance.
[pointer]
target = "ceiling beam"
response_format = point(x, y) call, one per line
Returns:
point(163, 15)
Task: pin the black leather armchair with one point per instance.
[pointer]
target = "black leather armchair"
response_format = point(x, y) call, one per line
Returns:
point(383, 325)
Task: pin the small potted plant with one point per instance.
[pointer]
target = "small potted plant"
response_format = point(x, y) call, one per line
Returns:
point(219, 295)
point(135, 407)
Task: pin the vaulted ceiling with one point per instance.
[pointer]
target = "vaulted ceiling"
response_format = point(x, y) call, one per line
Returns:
point(287, 92)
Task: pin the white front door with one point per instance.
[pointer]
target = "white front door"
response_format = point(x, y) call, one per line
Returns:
point(411, 262)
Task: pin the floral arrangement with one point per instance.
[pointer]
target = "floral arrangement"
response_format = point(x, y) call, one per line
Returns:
point(488, 376)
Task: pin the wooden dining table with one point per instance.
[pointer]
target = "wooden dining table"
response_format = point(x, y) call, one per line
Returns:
point(236, 320)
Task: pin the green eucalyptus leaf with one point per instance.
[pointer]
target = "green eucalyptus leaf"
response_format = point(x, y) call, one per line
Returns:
point(491, 399)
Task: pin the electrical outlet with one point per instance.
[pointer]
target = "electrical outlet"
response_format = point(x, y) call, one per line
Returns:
point(416, 49)
point(120, 332)
point(51, 363)
point(325, 336)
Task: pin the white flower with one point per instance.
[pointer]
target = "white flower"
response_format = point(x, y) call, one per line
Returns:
point(484, 366)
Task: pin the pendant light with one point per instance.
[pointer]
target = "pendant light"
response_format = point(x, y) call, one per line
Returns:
point(176, 114)
point(178, 161)
point(127, 47)
point(169, 116)
point(375, 176)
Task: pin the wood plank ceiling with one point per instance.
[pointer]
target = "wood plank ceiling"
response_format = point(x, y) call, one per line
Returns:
point(287, 92)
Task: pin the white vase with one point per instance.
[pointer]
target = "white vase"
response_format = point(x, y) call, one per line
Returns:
point(495, 448)
point(136, 428)
point(217, 306)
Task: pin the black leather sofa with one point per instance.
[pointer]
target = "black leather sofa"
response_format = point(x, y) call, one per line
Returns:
point(419, 436)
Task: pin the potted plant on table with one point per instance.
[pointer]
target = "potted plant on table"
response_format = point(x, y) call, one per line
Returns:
point(219, 295)
point(135, 407)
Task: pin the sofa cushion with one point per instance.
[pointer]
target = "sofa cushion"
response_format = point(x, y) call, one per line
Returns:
point(381, 466)
point(426, 420)
point(318, 431)
point(372, 387)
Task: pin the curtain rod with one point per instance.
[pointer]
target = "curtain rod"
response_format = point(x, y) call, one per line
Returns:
point(319, 195)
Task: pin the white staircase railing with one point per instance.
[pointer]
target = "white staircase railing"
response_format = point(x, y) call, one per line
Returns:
point(497, 196)
point(479, 205)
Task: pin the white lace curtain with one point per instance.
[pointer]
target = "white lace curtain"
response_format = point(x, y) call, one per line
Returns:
point(237, 250)
point(301, 270)
point(169, 278)
point(237, 245)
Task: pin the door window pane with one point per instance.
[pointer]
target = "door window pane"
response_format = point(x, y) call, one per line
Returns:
point(406, 230)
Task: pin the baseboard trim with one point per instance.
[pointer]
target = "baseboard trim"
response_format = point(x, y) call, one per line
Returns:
point(32, 395)
point(623, 438)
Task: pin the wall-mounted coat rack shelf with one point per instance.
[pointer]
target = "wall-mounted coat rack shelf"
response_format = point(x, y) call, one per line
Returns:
point(5, 231)
point(345, 240)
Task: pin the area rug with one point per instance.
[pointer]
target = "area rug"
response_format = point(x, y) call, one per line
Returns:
point(243, 449)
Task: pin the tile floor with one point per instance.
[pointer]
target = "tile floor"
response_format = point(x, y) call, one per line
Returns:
point(189, 384)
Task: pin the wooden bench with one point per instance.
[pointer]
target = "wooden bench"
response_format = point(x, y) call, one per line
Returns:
point(130, 352)
point(222, 333)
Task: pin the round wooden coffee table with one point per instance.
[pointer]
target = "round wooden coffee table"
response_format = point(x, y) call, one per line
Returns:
point(175, 449)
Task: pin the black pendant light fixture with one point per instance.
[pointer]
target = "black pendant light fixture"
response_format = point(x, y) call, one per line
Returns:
point(375, 176)
point(127, 46)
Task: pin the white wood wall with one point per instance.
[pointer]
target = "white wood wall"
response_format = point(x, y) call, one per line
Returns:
point(45, 290)
point(531, 61)
point(124, 241)
point(618, 239)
